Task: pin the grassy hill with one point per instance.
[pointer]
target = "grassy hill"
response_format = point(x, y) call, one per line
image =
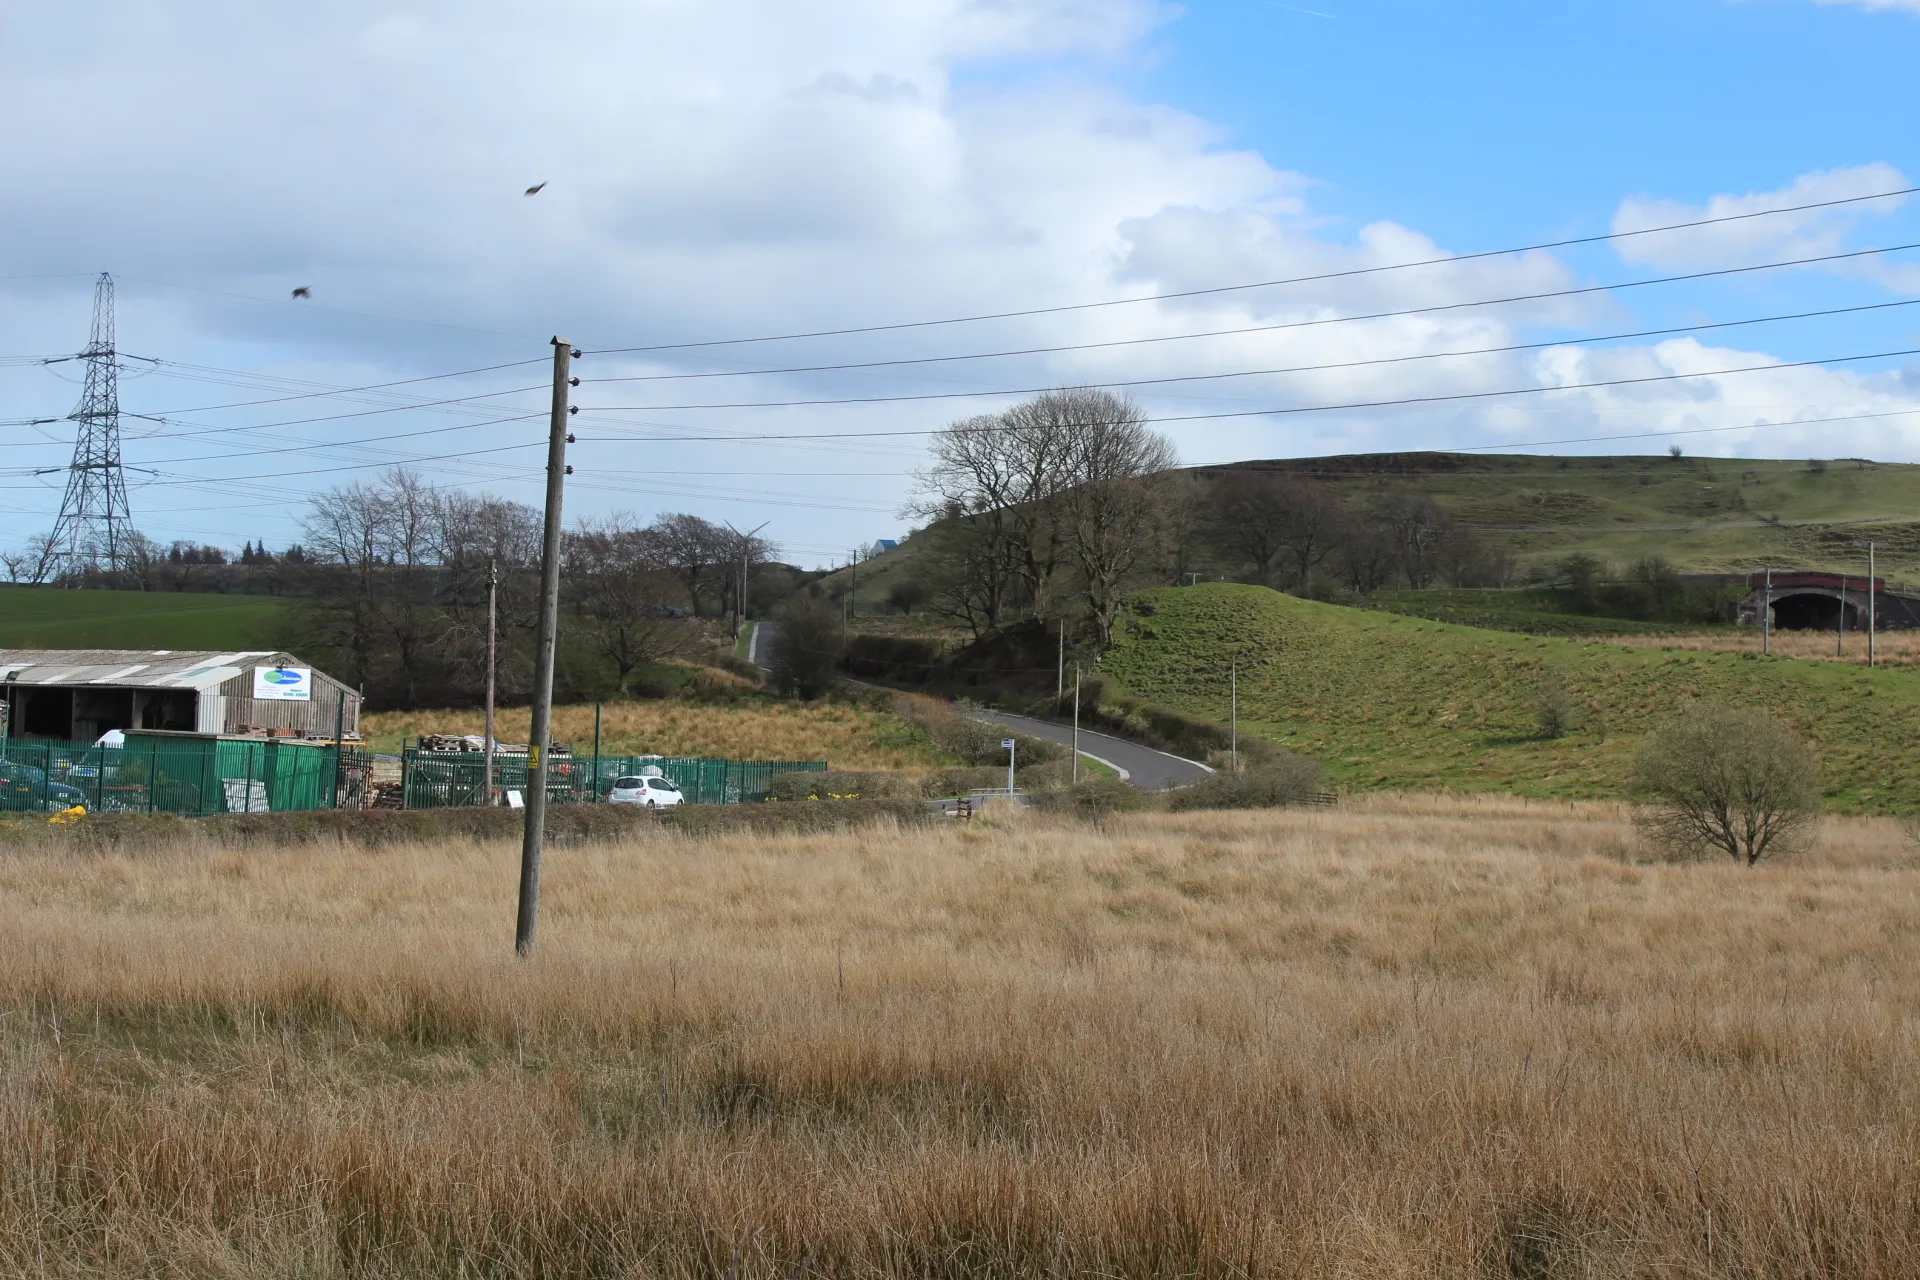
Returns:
point(1717, 515)
point(47, 617)
point(1705, 515)
point(1390, 701)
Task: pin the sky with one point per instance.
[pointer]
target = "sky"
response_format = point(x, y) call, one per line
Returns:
point(723, 173)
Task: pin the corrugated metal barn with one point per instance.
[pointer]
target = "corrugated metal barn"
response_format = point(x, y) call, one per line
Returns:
point(79, 694)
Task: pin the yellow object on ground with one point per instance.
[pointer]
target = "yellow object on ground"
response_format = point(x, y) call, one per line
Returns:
point(74, 814)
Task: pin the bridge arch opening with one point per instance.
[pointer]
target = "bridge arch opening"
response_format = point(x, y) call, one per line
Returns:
point(1813, 611)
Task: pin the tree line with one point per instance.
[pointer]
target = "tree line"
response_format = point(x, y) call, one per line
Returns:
point(1063, 506)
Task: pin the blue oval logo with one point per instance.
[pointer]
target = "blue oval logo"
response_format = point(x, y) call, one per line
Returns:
point(279, 676)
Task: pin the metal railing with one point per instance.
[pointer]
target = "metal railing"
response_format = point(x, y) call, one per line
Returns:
point(193, 777)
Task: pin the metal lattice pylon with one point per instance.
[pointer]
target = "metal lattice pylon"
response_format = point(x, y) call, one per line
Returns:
point(95, 525)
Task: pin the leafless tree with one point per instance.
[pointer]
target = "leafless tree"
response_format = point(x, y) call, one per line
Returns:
point(1248, 519)
point(33, 563)
point(1260, 515)
point(1058, 483)
point(1367, 558)
point(1420, 528)
point(695, 551)
point(625, 595)
point(969, 491)
point(1113, 509)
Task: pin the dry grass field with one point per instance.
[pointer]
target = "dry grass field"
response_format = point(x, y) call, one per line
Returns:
point(1410, 1038)
point(1891, 648)
point(847, 737)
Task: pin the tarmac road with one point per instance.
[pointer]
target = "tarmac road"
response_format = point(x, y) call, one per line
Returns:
point(1145, 768)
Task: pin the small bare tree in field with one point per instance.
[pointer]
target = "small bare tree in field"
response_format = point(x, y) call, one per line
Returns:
point(1730, 779)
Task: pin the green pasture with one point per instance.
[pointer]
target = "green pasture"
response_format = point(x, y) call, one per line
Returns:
point(52, 618)
point(1397, 702)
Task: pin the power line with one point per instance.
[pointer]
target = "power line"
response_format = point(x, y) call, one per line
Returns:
point(330, 391)
point(1303, 368)
point(1264, 328)
point(1286, 411)
point(331, 417)
point(1263, 284)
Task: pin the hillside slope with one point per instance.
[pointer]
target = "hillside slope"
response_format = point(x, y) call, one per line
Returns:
point(1389, 701)
point(1718, 515)
point(48, 617)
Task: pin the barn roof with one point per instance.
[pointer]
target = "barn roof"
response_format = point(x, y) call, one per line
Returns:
point(201, 669)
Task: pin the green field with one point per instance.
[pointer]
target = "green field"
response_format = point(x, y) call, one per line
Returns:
point(1513, 610)
point(50, 618)
point(1388, 701)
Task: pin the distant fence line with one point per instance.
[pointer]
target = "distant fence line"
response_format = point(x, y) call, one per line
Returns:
point(439, 779)
point(200, 777)
point(193, 777)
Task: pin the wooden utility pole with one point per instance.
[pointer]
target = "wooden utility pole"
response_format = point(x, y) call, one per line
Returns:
point(1233, 713)
point(1060, 667)
point(1871, 619)
point(1076, 723)
point(527, 922)
point(486, 738)
point(1840, 631)
point(1766, 617)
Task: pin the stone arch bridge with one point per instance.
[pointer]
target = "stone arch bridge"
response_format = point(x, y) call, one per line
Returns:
point(1828, 602)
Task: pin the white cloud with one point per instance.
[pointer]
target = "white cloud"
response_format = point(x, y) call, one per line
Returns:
point(721, 168)
point(1912, 6)
point(1779, 237)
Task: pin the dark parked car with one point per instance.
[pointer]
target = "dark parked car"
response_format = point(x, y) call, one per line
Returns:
point(23, 787)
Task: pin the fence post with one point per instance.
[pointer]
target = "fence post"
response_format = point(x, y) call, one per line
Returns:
point(339, 728)
point(246, 802)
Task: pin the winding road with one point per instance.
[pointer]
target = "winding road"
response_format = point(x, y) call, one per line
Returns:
point(1143, 767)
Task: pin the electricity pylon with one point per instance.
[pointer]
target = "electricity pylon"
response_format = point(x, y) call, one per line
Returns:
point(95, 526)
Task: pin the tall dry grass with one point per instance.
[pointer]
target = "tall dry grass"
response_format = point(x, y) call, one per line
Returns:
point(1419, 1037)
point(847, 736)
point(1891, 648)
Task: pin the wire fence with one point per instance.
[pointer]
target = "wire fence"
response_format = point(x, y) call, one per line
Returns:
point(194, 777)
point(439, 779)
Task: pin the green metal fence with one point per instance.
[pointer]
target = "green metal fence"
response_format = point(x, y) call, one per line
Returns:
point(192, 776)
point(436, 779)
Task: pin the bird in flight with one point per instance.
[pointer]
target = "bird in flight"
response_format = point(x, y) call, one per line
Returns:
point(534, 190)
point(303, 292)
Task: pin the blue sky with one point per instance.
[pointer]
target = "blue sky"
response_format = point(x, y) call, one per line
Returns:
point(741, 168)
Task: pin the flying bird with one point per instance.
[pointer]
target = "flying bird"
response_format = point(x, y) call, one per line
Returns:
point(303, 292)
point(534, 190)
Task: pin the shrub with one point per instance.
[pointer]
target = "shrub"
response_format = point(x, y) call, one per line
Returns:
point(1731, 779)
point(1555, 712)
point(806, 648)
point(1283, 780)
point(1094, 798)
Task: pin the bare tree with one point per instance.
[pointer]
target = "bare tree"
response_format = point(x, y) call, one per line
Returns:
point(1260, 515)
point(33, 563)
point(1728, 779)
point(975, 570)
point(1420, 528)
point(1367, 558)
point(1248, 520)
point(1114, 509)
point(625, 595)
point(970, 491)
point(695, 550)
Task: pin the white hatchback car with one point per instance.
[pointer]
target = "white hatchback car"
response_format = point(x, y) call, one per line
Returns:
point(652, 792)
